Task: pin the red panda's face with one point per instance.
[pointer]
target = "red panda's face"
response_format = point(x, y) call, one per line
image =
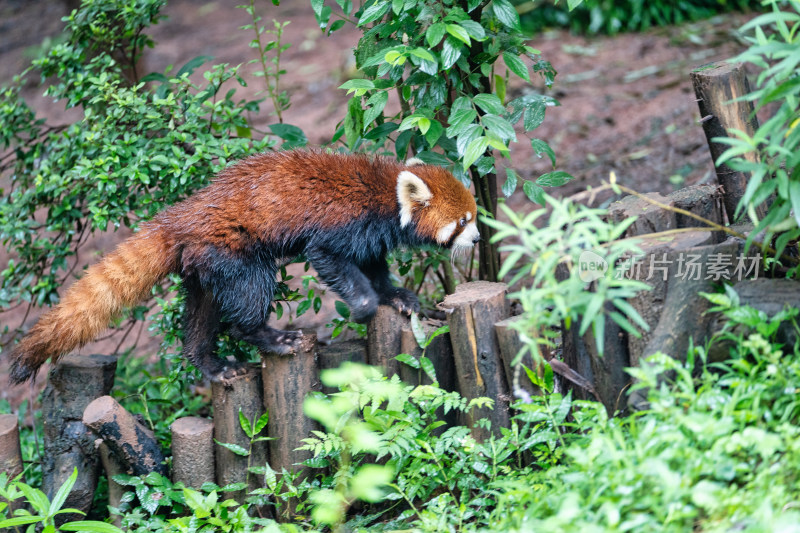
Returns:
point(443, 210)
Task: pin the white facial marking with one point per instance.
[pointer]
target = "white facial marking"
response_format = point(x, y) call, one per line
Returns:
point(444, 234)
point(414, 161)
point(469, 216)
point(411, 192)
point(467, 237)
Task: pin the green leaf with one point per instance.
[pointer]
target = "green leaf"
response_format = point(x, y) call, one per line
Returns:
point(417, 330)
point(474, 29)
point(342, 309)
point(434, 34)
point(377, 102)
point(407, 359)
point(460, 121)
point(262, 422)
point(533, 116)
point(63, 492)
point(427, 367)
point(475, 150)
point(434, 132)
point(459, 33)
point(451, 52)
point(500, 127)
point(510, 184)
point(533, 192)
point(368, 482)
point(490, 103)
point(507, 14)
point(235, 448)
point(358, 83)
point(423, 54)
point(374, 12)
point(516, 65)
point(245, 424)
point(557, 178)
point(542, 148)
point(90, 526)
point(794, 198)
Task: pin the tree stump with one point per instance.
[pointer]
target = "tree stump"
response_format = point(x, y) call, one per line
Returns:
point(288, 379)
point(193, 451)
point(472, 312)
point(72, 384)
point(718, 87)
point(132, 443)
point(683, 318)
point(241, 393)
point(383, 339)
point(337, 353)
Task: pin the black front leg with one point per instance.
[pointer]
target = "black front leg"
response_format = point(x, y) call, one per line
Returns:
point(400, 298)
point(346, 280)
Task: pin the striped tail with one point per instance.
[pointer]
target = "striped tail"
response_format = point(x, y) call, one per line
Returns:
point(122, 279)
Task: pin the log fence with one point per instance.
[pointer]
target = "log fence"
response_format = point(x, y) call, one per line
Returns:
point(86, 428)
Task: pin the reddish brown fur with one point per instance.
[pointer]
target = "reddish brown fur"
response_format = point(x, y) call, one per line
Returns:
point(266, 198)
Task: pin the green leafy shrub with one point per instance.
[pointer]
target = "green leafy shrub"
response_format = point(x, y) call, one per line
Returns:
point(771, 155)
point(446, 66)
point(614, 16)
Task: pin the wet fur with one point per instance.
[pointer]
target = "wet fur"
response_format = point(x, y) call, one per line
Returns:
point(227, 242)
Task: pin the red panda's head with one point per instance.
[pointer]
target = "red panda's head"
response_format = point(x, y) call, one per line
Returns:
point(442, 209)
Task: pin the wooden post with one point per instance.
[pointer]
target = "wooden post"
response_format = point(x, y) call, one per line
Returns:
point(113, 466)
point(288, 380)
point(132, 443)
point(717, 86)
point(243, 392)
point(10, 453)
point(68, 444)
point(472, 312)
point(383, 338)
point(336, 353)
point(511, 345)
point(439, 351)
point(193, 451)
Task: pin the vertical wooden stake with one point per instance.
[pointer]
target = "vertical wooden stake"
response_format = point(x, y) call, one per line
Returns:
point(336, 353)
point(472, 312)
point(68, 444)
point(716, 86)
point(243, 393)
point(383, 339)
point(510, 346)
point(10, 453)
point(288, 379)
point(193, 451)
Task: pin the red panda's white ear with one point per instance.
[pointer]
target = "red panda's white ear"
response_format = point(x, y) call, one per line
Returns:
point(414, 161)
point(411, 191)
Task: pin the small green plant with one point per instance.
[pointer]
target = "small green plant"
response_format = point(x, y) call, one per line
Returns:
point(771, 155)
point(447, 66)
point(615, 16)
point(43, 512)
point(580, 241)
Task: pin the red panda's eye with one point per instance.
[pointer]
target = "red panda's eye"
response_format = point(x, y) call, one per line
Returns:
point(463, 222)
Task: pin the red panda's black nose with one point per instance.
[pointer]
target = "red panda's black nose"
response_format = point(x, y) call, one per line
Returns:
point(476, 239)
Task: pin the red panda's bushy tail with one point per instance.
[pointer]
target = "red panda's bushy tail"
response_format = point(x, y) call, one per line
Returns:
point(122, 279)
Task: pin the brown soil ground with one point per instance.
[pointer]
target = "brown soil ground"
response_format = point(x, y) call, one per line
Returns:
point(627, 104)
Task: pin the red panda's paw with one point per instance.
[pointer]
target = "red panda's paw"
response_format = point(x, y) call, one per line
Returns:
point(231, 370)
point(285, 342)
point(401, 299)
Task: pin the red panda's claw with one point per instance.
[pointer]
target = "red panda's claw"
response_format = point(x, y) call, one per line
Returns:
point(404, 301)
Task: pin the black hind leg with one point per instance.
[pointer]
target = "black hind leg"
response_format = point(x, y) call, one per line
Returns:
point(201, 326)
point(243, 289)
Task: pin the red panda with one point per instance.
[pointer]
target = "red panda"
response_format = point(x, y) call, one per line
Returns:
point(228, 240)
